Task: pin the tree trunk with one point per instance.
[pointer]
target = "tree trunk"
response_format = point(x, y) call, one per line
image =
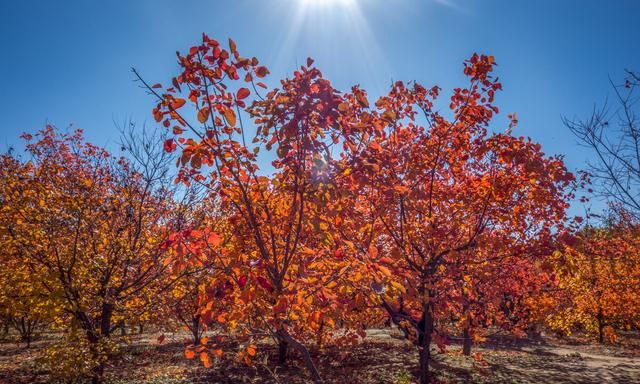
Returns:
point(94, 348)
point(466, 342)
point(195, 329)
point(600, 327)
point(283, 347)
point(26, 338)
point(25, 328)
point(105, 319)
point(140, 328)
point(96, 373)
point(94, 339)
point(425, 344)
point(319, 338)
point(313, 371)
point(123, 328)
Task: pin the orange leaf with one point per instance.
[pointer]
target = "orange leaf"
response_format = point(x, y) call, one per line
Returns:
point(177, 103)
point(189, 354)
point(251, 350)
point(362, 99)
point(214, 239)
point(385, 259)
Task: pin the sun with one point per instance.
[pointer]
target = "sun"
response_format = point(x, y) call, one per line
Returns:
point(333, 30)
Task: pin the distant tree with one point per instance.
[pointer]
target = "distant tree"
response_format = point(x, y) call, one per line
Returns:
point(598, 276)
point(88, 226)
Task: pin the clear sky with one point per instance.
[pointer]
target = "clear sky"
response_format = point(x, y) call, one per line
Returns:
point(68, 62)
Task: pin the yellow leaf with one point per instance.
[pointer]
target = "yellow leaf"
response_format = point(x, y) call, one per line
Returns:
point(230, 116)
point(384, 270)
point(203, 115)
point(204, 357)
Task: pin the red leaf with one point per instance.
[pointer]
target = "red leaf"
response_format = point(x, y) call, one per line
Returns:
point(232, 46)
point(242, 93)
point(262, 71)
point(169, 145)
point(264, 283)
point(176, 84)
point(157, 85)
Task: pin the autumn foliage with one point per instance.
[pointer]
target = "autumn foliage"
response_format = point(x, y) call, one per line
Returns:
point(598, 274)
point(304, 214)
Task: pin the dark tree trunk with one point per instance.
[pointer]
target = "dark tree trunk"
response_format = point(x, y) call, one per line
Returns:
point(195, 329)
point(95, 340)
point(140, 328)
point(425, 343)
point(466, 342)
point(105, 319)
point(25, 328)
point(94, 348)
point(306, 357)
point(600, 327)
point(96, 373)
point(26, 339)
point(123, 328)
point(283, 347)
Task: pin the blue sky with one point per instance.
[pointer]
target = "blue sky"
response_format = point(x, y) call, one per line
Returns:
point(68, 62)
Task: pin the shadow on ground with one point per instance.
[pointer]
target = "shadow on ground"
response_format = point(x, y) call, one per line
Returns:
point(381, 359)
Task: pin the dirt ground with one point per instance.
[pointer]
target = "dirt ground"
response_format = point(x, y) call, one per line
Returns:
point(383, 358)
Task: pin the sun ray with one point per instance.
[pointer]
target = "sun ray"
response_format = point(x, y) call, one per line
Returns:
point(334, 27)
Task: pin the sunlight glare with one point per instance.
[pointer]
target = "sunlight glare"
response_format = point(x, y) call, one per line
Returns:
point(326, 3)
